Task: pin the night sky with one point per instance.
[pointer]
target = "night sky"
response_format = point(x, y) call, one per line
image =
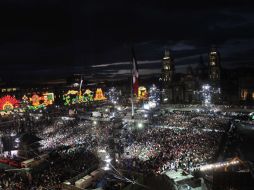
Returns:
point(56, 38)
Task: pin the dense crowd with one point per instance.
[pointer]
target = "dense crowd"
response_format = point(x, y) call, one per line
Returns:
point(176, 140)
point(70, 133)
point(171, 141)
point(191, 120)
point(62, 164)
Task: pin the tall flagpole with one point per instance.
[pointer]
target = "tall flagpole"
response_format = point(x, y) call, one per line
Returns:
point(80, 86)
point(132, 103)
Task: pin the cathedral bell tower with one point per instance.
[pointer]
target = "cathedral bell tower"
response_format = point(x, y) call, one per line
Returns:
point(214, 66)
point(214, 74)
point(168, 68)
point(167, 77)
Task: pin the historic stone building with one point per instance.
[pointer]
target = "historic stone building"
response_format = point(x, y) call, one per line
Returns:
point(217, 84)
point(194, 84)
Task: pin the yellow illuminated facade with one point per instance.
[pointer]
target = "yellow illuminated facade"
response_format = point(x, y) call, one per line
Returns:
point(142, 93)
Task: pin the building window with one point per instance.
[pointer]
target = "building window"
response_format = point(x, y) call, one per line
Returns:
point(244, 94)
point(253, 95)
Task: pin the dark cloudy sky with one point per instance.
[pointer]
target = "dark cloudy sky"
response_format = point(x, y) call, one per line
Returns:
point(55, 38)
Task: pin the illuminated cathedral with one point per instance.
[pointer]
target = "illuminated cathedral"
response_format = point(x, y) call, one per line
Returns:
point(185, 87)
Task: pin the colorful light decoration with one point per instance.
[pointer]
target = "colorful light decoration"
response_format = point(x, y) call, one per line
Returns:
point(74, 97)
point(4, 113)
point(25, 99)
point(142, 93)
point(88, 96)
point(99, 95)
point(67, 99)
point(75, 100)
point(71, 97)
point(24, 103)
point(48, 98)
point(41, 106)
point(36, 100)
point(72, 92)
point(8, 103)
point(39, 102)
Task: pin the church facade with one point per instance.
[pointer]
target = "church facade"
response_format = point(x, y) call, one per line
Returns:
point(202, 84)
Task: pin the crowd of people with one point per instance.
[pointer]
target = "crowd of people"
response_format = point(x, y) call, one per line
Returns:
point(62, 164)
point(189, 119)
point(172, 140)
point(182, 140)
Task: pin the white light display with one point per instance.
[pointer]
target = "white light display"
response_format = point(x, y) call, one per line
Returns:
point(154, 95)
point(206, 94)
point(113, 95)
point(146, 106)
